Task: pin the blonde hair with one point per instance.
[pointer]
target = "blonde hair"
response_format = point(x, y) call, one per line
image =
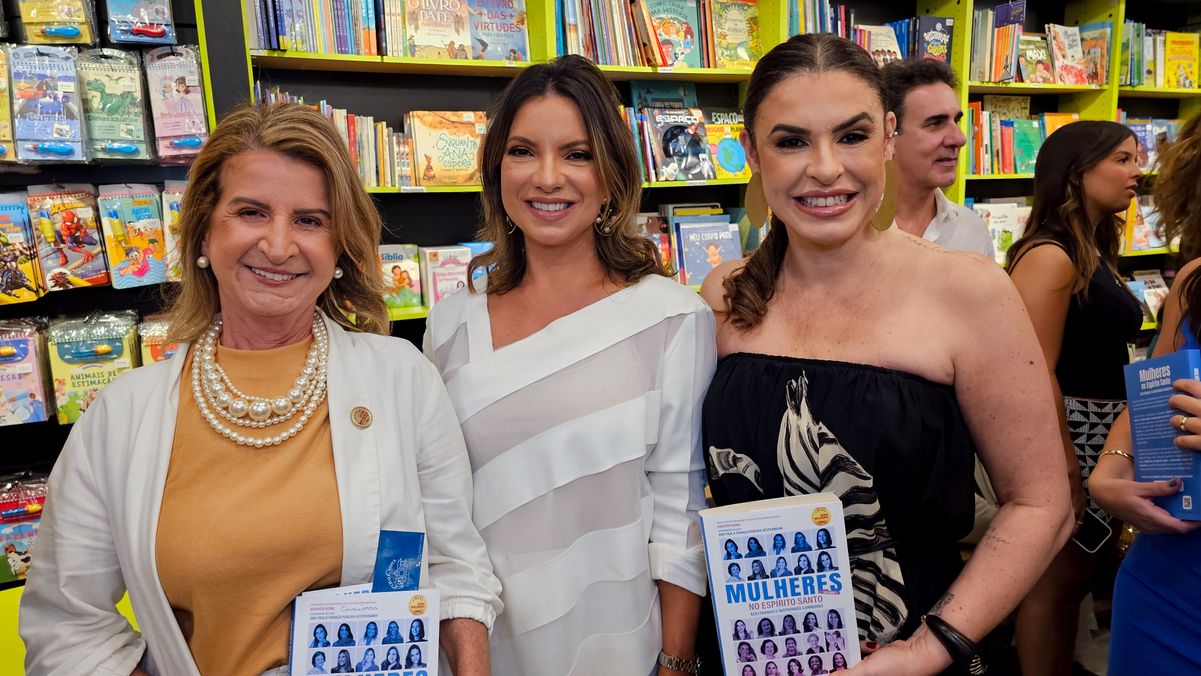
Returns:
point(624, 255)
point(302, 134)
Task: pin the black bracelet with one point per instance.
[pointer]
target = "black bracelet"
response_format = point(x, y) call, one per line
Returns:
point(961, 648)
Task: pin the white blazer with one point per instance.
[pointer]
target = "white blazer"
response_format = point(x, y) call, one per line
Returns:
point(408, 470)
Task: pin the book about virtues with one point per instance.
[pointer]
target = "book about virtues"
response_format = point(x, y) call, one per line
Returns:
point(780, 580)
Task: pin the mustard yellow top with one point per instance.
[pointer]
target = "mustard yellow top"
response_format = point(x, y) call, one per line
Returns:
point(242, 530)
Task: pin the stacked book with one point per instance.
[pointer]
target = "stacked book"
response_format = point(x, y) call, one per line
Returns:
point(493, 30)
point(1155, 58)
point(679, 141)
point(1006, 220)
point(1003, 137)
point(924, 37)
point(693, 238)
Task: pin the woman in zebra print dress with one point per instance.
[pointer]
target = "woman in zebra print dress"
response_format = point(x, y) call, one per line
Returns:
point(874, 365)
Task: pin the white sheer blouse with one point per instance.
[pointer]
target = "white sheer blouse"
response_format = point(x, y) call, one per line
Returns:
point(584, 441)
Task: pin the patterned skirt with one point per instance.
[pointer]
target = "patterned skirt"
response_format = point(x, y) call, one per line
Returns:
point(1089, 421)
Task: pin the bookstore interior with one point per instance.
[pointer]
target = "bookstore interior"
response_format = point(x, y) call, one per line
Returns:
point(91, 186)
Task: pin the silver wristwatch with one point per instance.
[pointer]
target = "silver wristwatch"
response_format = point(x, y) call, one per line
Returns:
point(692, 666)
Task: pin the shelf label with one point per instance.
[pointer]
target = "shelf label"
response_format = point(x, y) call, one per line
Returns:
point(666, 69)
point(696, 181)
point(412, 188)
point(510, 64)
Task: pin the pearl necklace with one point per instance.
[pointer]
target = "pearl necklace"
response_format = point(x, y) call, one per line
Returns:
point(218, 398)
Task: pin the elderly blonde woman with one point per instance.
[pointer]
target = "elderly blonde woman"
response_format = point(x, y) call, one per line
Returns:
point(263, 460)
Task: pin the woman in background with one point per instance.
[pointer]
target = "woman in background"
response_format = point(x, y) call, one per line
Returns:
point(370, 634)
point(766, 627)
point(1156, 623)
point(732, 550)
point(416, 631)
point(754, 549)
point(393, 635)
point(368, 661)
point(344, 666)
point(735, 573)
point(825, 562)
point(768, 649)
point(413, 659)
point(1065, 268)
point(318, 662)
point(788, 625)
point(320, 637)
point(800, 544)
point(833, 620)
point(809, 623)
point(746, 653)
point(794, 668)
point(823, 539)
point(778, 544)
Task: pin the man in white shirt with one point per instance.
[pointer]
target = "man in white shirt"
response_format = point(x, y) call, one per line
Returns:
point(928, 140)
point(921, 93)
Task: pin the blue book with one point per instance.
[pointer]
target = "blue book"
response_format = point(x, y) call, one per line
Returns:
point(705, 245)
point(1156, 457)
point(398, 561)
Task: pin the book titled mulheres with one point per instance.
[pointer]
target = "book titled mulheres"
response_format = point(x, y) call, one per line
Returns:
point(780, 577)
point(1156, 457)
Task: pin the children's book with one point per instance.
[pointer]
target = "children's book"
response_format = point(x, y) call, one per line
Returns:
point(653, 226)
point(662, 94)
point(705, 245)
point(18, 539)
point(499, 30)
point(133, 234)
point(1156, 456)
point(736, 33)
point(1034, 59)
point(1094, 45)
point(172, 206)
point(1053, 121)
point(8, 151)
point(1027, 140)
point(723, 129)
point(115, 104)
point(445, 146)
point(329, 626)
point(437, 29)
point(1066, 54)
point(677, 25)
point(401, 275)
point(1007, 107)
point(86, 353)
point(152, 334)
point(882, 44)
point(47, 119)
point(934, 35)
point(443, 271)
point(20, 272)
point(146, 22)
point(1180, 60)
point(22, 375)
point(70, 244)
point(762, 598)
point(680, 145)
point(176, 103)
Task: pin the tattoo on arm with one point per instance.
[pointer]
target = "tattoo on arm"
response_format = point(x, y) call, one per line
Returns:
point(942, 603)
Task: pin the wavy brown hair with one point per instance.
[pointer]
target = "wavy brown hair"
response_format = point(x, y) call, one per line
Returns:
point(625, 256)
point(1177, 193)
point(302, 134)
point(749, 289)
point(1058, 213)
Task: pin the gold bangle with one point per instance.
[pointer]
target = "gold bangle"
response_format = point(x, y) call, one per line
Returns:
point(1114, 451)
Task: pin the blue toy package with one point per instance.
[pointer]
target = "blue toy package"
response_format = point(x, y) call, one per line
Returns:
point(47, 118)
point(146, 22)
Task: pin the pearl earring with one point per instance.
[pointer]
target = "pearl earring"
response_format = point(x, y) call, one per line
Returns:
point(202, 261)
point(338, 273)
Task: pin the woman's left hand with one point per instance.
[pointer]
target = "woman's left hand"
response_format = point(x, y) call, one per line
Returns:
point(920, 655)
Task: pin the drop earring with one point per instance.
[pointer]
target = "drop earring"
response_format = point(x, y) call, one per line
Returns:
point(338, 273)
point(601, 224)
point(512, 225)
point(202, 262)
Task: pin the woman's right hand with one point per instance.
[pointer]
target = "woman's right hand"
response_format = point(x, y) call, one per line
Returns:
point(1113, 486)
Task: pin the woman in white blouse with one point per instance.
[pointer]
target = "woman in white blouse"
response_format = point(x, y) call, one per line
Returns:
point(577, 373)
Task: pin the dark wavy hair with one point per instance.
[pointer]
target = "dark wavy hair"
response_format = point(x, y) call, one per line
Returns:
point(750, 289)
point(1059, 214)
point(625, 255)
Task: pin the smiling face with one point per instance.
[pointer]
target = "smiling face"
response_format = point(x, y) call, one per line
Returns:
point(270, 242)
point(757, 568)
point(393, 655)
point(777, 542)
point(813, 640)
point(1110, 184)
point(343, 632)
point(928, 137)
point(549, 184)
point(821, 158)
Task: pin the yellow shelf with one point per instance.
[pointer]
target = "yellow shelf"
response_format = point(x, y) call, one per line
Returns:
point(996, 177)
point(384, 64)
point(1150, 326)
point(418, 189)
point(403, 313)
point(1024, 88)
point(689, 74)
point(688, 184)
point(1144, 92)
point(1148, 252)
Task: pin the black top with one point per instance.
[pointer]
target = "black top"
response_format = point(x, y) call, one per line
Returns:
point(1099, 324)
point(905, 432)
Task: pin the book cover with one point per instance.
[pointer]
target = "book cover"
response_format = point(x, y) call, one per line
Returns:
point(437, 29)
point(70, 244)
point(446, 144)
point(1034, 59)
point(1053, 121)
point(1067, 57)
point(1155, 288)
point(401, 274)
point(1156, 457)
point(736, 33)
point(680, 145)
point(172, 202)
point(762, 599)
point(21, 278)
point(677, 24)
point(349, 630)
point(18, 539)
point(882, 44)
point(85, 354)
point(1027, 139)
point(22, 376)
point(1148, 149)
point(176, 102)
point(1180, 60)
point(653, 226)
point(723, 131)
point(651, 94)
point(133, 234)
point(114, 104)
point(1007, 107)
point(705, 245)
point(1094, 45)
point(443, 271)
point(47, 120)
point(499, 30)
point(934, 36)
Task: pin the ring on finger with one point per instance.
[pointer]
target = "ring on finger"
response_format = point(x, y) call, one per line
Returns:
point(1183, 422)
